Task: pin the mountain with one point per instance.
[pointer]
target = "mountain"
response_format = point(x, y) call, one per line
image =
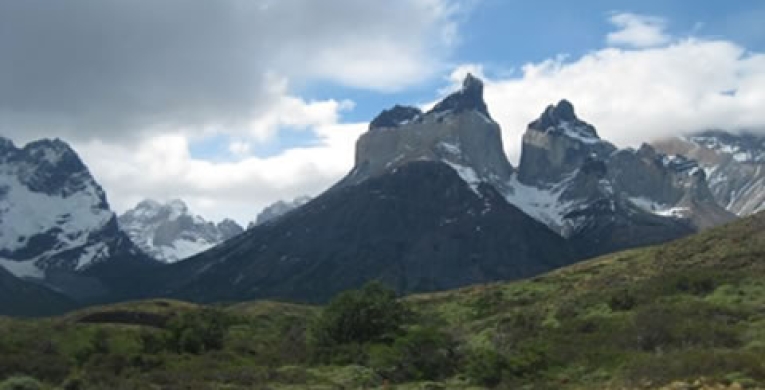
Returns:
point(734, 164)
point(433, 203)
point(170, 232)
point(279, 208)
point(605, 199)
point(422, 210)
point(56, 226)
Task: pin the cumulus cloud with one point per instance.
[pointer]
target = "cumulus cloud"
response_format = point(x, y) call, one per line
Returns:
point(87, 69)
point(163, 168)
point(634, 96)
point(638, 31)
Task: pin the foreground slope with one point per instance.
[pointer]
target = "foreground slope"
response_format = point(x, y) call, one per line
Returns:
point(688, 314)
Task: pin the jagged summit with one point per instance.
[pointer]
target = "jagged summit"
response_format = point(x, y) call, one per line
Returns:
point(561, 119)
point(54, 217)
point(395, 117)
point(469, 97)
point(557, 144)
point(457, 131)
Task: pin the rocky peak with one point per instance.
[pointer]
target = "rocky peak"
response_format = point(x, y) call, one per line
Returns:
point(279, 208)
point(469, 97)
point(561, 119)
point(557, 144)
point(229, 228)
point(458, 131)
point(395, 117)
point(554, 115)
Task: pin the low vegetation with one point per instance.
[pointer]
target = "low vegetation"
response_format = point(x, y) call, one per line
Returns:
point(690, 313)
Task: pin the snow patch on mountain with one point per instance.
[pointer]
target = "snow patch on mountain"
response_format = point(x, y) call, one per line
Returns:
point(542, 204)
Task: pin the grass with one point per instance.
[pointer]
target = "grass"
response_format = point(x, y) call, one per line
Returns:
point(689, 311)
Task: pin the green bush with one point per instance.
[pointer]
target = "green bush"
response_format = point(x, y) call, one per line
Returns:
point(683, 325)
point(20, 383)
point(423, 353)
point(371, 314)
point(196, 332)
point(484, 367)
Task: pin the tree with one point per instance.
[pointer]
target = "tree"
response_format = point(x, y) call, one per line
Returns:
point(371, 314)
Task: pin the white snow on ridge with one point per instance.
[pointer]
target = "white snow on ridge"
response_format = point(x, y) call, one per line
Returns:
point(22, 269)
point(182, 249)
point(575, 132)
point(658, 208)
point(24, 213)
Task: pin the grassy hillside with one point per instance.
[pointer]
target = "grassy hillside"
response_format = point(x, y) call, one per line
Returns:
point(688, 314)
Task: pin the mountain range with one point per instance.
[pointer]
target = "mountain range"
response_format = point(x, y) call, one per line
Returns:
point(431, 203)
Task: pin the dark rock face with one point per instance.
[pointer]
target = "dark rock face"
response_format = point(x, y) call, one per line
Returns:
point(22, 298)
point(470, 97)
point(555, 115)
point(420, 228)
point(395, 117)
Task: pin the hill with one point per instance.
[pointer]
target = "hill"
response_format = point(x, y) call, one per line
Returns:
point(687, 314)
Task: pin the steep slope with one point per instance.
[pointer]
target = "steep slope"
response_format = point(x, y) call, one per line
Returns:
point(422, 210)
point(604, 199)
point(734, 164)
point(55, 222)
point(170, 232)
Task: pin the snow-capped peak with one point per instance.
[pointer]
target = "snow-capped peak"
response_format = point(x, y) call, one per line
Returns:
point(53, 215)
point(170, 232)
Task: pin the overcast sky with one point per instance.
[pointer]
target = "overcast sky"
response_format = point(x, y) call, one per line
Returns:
point(233, 104)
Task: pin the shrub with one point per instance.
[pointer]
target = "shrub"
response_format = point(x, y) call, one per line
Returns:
point(20, 383)
point(484, 367)
point(420, 354)
point(197, 332)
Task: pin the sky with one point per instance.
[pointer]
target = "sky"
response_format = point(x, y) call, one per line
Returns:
point(233, 104)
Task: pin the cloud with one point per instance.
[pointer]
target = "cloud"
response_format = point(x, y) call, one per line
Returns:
point(163, 168)
point(123, 70)
point(634, 96)
point(637, 31)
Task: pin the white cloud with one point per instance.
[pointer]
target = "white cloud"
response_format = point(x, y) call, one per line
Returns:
point(163, 168)
point(638, 31)
point(633, 96)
